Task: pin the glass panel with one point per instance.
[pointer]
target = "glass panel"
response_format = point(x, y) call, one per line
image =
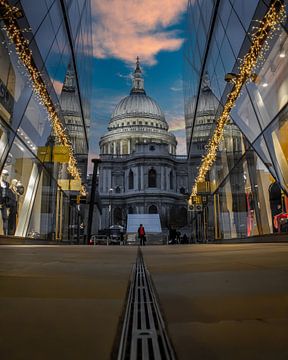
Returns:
point(45, 32)
point(276, 138)
point(230, 152)
point(225, 11)
point(20, 183)
point(235, 33)
point(55, 15)
point(244, 200)
point(74, 18)
point(244, 116)
point(261, 148)
point(201, 36)
point(245, 10)
point(61, 72)
point(270, 93)
point(49, 217)
point(34, 14)
point(206, 7)
point(35, 128)
point(53, 60)
point(227, 56)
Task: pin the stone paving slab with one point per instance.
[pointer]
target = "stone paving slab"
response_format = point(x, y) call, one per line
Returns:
point(223, 301)
point(61, 302)
point(219, 301)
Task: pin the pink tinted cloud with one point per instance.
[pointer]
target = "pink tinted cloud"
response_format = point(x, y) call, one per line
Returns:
point(126, 28)
point(181, 146)
point(177, 127)
point(58, 85)
point(176, 124)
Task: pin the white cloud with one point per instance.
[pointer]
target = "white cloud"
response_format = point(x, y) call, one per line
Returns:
point(177, 86)
point(125, 29)
point(177, 127)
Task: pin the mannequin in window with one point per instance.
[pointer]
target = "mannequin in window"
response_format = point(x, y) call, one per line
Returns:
point(4, 199)
point(16, 190)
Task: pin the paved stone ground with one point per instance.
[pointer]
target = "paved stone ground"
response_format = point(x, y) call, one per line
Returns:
point(219, 301)
point(61, 302)
point(223, 301)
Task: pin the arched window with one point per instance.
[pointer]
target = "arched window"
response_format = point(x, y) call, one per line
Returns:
point(152, 178)
point(153, 209)
point(130, 210)
point(131, 180)
point(171, 179)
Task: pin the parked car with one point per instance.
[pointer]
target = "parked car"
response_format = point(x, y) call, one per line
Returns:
point(111, 236)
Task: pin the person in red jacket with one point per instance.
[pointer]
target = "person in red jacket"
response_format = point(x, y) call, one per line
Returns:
point(141, 234)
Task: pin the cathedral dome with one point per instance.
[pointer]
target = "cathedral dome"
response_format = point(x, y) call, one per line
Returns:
point(202, 121)
point(207, 102)
point(137, 119)
point(137, 104)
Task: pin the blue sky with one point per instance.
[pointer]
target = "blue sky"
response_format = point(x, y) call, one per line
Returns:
point(154, 30)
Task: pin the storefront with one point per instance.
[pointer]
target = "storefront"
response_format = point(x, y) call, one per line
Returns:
point(36, 188)
point(248, 182)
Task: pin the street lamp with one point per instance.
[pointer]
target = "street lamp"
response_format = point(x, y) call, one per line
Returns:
point(110, 207)
point(95, 162)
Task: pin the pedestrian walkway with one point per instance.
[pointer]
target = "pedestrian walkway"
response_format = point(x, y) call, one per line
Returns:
point(217, 301)
point(62, 302)
point(223, 301)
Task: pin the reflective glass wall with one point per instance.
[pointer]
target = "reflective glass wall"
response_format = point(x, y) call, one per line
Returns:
point(36, 188)
point(247, 185)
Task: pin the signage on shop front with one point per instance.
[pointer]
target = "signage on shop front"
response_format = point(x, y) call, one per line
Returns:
point(57, 153)
point(196, 204)
point(70, 184)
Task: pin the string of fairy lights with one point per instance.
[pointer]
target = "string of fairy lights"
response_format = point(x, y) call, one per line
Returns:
point(264, 31)
point(10, 14)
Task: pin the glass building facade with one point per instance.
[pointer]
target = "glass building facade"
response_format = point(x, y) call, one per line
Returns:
point(245, 192)
point(37, 191)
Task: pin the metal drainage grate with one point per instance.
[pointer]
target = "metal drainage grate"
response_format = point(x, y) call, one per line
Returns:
point(143, 334)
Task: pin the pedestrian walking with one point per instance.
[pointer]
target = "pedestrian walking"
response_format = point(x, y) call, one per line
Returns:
point(141, 234)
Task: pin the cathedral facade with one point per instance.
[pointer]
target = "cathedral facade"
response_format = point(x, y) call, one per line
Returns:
point(140, 172)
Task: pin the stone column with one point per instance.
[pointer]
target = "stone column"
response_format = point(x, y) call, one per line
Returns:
point(174, 181)
point(109, 182)
point(167, 178)
point(121, 147)
point(125, 182)
point(162, 178)
point(136, 178)
point(142, 177)
point(129, 145)
point(103, 187)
